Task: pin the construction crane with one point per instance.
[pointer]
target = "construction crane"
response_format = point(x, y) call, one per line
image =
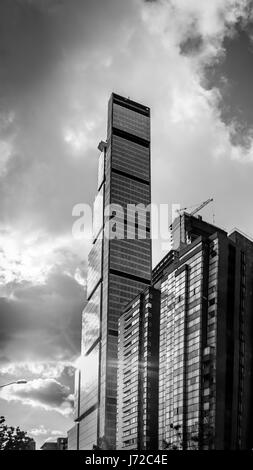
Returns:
point(203, 204)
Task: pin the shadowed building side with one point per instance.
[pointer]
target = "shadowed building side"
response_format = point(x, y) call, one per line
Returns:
point(138, 360)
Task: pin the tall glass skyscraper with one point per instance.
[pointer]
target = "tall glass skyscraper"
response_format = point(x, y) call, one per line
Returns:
point(118, 268)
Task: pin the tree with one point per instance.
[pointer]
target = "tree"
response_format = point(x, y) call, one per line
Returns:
point(13, 438)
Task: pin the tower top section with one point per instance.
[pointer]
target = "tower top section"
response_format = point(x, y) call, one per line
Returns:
point(130, 104)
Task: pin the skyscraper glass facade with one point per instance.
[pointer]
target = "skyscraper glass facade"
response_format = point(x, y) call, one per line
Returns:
point(180, 349)
point(117, 268)
point(138, 357)
point(204, 389)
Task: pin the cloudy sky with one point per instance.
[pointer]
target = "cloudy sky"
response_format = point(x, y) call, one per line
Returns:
point(191, 61)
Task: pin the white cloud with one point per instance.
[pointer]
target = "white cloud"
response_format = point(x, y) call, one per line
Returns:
point(188, 108)
point(81, 136)
point(44, 370)
point(42, 431)
point(80, 277)
point(31, 256)
point(181, 19)
point(242, 154)
point(48, 394)
point(5, 153)
point(6, 139)
point(38, 431)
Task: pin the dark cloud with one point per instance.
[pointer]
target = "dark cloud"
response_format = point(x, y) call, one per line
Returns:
point(192, 45)
point(42, 322)
point(35, 36)
point(47, 392)
point(24, 39)
point(234, 76)
point(4, 360)
point(46, 50)
point(39, 37)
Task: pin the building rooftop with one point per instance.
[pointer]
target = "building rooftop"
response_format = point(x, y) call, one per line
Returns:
point(127, 102)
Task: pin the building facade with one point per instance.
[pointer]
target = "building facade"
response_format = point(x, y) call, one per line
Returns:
point(138, 361)
point(61, 443)
point(205, 375)
point(118, 268)
point(73, 436)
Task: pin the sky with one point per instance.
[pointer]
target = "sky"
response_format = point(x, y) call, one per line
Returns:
point(191, 61)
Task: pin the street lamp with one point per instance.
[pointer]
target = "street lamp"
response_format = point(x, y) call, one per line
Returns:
point(19, 382)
